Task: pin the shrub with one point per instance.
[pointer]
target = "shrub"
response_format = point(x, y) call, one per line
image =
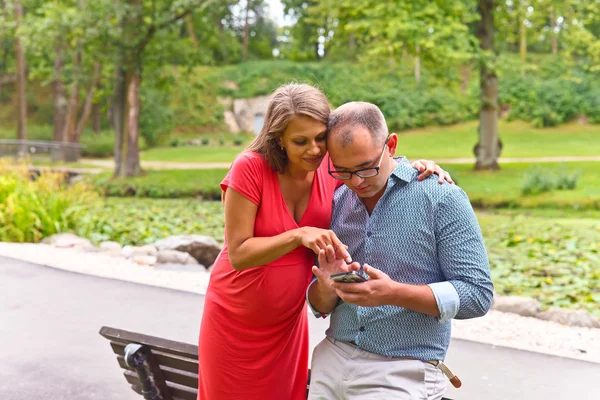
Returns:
point(540, 181)
point(32, 209)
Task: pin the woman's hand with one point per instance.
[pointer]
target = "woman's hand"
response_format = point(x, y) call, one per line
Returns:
point(329, 265)
point(428, 168)
point(318, 239)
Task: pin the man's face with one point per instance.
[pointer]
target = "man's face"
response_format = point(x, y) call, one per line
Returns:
point(363, 153)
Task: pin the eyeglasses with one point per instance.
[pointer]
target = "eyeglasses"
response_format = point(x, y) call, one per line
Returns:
point(362, 173)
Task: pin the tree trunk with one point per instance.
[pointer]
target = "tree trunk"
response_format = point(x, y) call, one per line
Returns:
point(118, 117)
point(418, 64)
point(59, 97)
point(96, 118)
point(352, 45)
point(466, 73)
point(246, 31)
point(488, 148)
point(74, 154)
point(132, 160)
point(189, 23)
point(21, 79)
point(523, 39)
point(553, 29)
point(69, 134)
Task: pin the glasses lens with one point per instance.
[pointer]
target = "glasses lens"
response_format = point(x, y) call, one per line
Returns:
point(340, 175)
point(368, 173)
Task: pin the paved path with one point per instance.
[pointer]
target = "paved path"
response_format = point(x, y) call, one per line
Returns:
point(50, 348)
point(187, 165)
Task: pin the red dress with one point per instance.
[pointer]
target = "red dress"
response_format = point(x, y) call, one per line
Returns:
point(254, 336)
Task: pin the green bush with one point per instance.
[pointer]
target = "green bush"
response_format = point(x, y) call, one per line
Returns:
point(538, 180)
point(33, 209)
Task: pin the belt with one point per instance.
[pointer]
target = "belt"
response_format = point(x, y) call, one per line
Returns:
point(454, 380)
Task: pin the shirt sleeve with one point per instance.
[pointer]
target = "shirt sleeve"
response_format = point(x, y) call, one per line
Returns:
point(463, 260)
point(246, 177)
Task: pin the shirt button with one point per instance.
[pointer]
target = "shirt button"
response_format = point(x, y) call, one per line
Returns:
point(362, 329)
point(369, 233)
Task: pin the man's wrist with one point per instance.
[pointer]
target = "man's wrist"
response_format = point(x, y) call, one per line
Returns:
point(399, 294)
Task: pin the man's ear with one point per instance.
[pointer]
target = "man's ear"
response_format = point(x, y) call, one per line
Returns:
point(392, 143)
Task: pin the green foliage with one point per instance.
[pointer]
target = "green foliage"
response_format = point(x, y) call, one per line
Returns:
point(144, 221)
point(156, 118)
point(164, 184)
point(504, 188)
point(551, 259)
point(33, 209)
point(538, 180)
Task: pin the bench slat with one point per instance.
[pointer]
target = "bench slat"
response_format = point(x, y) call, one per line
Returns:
point(183, 378)
point(164, 345)
point(178, 363)
point(178, 392)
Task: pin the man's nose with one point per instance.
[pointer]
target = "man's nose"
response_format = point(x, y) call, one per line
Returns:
point(356, 180)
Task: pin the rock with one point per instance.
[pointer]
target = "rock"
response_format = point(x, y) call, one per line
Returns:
point(203, 248)
point(110, 246)
point(231, 85)
point(517, 305)
point(226, 102)
point(175, 257)
point(570, 317)
point(144, 260)
point(67, 240)
point(231, 122)
point(132, 251)
point(247, 111)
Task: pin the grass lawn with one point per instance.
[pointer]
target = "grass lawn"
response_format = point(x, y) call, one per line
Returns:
point(164, 183)
point(196, 154)
point(519, 139)
point(485, 189)
point(503, 188)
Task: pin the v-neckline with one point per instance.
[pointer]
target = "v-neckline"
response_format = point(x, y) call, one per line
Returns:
point(310, 198)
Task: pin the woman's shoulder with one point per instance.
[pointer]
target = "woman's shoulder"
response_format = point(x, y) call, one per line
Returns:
point(250, 159)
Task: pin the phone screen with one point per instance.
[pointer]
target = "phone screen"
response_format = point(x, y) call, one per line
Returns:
point(348, 277)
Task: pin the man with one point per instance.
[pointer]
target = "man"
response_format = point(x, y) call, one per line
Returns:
point(425, 259)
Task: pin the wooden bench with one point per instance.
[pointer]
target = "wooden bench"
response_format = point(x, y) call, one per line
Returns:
point(156, 368)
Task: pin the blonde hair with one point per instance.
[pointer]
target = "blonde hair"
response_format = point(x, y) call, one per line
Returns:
point(287, 102)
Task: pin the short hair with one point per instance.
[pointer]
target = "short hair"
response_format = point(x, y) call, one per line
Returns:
point(288, 101)
point(344, 120)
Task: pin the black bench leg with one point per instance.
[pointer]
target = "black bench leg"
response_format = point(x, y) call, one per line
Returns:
point(153, 383)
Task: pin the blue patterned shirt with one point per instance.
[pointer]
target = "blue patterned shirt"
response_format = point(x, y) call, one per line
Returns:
point(419, 233)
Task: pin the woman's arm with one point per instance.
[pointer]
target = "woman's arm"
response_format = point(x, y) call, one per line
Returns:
point(247, 251)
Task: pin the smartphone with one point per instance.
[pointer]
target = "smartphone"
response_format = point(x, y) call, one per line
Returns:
point(348, 277)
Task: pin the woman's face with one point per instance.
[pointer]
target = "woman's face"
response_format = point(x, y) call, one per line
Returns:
point(304, 142)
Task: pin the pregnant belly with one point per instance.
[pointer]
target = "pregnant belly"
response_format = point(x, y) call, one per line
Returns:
point(263, 296)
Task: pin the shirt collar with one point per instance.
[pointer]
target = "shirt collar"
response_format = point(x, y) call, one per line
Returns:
point(404, 171)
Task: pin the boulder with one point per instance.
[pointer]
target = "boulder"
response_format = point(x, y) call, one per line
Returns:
point(144, 260)
point(517, 305)
point(67, 240)
point(132, 251)
point(203, 248)
point(175, 257)
point(570, 317)
point(110, 246)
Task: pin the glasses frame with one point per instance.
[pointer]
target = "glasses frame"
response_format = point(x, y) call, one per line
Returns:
point(358, 171)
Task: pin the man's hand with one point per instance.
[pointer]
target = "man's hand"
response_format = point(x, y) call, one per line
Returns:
point(379, 290)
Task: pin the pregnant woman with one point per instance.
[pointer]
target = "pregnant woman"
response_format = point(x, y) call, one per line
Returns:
point(254, 335)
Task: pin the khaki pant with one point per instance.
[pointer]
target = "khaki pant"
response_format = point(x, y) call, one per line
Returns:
point(342, 371)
